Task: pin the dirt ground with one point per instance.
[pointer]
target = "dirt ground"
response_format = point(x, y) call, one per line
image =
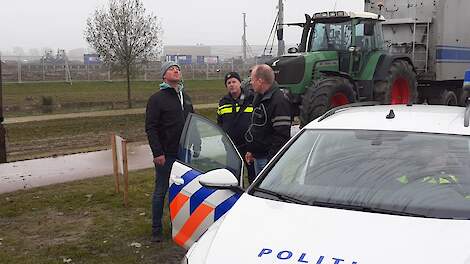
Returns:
point(67, 136)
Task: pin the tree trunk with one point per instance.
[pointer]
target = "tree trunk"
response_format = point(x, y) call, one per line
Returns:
point(129, 99)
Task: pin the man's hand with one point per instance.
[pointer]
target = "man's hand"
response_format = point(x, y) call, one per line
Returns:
point(160, 160)
point(249, 157)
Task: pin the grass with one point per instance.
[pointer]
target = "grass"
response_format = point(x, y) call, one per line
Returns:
point(28, 98)
point(84, 221)
point(66, 136)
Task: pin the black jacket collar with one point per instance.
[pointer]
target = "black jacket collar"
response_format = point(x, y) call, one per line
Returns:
point(269, 94)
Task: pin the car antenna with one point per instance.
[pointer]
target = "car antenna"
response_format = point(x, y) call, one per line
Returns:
point(391, 115)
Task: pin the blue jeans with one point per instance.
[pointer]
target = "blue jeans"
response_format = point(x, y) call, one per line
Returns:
point(162, 178)
point(260, 163)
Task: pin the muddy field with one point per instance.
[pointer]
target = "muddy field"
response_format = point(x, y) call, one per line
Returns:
point(68, 136)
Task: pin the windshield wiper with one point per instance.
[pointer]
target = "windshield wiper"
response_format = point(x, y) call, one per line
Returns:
point(365, 209)
point(280, 196)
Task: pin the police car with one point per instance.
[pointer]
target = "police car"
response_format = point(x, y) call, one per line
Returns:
point(360, 185)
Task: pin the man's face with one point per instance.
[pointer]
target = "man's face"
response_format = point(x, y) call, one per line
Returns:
point(234, 87)
point(256, 83)
point(173, 74)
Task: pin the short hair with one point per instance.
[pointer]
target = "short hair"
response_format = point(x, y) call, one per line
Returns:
point(264, 72)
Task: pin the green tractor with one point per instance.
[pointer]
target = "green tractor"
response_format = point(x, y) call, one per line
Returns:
point(341, 59)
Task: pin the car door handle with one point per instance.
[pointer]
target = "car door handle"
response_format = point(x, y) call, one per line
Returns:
point(179, 181)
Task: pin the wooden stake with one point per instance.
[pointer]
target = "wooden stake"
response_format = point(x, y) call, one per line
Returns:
point(126, 173)
point(115, 163)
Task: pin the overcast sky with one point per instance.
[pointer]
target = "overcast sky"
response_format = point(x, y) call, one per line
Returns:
point(60, 23)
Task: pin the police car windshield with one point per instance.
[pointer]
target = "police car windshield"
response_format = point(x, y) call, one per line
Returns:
point(406, 173)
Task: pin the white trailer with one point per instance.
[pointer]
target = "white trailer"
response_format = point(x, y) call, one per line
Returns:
point(436, 35)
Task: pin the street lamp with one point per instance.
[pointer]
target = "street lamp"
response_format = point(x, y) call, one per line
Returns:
point(3, 150)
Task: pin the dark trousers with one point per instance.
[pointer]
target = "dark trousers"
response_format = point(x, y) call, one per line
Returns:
point(162, 177)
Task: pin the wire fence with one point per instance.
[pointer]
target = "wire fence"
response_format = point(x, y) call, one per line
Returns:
point(31, 69)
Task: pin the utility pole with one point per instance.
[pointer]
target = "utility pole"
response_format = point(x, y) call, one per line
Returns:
point(3, 150)
point(280, 30)
point(244, 37)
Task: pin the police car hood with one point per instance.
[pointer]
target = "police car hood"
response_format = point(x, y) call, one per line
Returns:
point(258, 230)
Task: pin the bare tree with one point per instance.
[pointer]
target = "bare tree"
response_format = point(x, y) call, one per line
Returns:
point(124, 35)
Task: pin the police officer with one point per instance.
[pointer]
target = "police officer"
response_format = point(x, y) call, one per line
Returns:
point(271, 119)
point(234, 113)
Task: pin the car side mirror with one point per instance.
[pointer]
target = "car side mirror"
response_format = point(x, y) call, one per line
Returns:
point(293, 50)
point(220, 179)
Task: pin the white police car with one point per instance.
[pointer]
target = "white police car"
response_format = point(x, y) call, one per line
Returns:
point(360, 185)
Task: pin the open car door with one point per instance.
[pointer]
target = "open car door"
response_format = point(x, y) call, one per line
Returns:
point(204, 147)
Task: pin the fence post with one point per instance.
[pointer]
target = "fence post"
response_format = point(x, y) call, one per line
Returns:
point(126, 173)
point(115, 163)
point(43, 70)
point(18, 62)
point(207, 71)
point(145, 72)
point(192, 70)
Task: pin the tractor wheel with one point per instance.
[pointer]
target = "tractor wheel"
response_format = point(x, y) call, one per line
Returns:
point(399, 87)
point(325, 95)
point(446, 98)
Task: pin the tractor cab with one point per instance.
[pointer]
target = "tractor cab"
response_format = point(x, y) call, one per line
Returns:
point(354, 36)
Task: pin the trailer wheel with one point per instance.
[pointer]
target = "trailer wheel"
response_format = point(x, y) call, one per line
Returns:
point(325, 95)
point(463, 98)
point(446, 98)
point(399, 87)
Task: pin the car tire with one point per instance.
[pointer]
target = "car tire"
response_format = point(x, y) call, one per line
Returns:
point(446, 98)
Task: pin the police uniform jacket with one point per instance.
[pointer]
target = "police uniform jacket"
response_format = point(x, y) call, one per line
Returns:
point(233, 115)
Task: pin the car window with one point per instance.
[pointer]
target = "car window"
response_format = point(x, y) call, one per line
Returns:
point(205, 147)
point(419, 173)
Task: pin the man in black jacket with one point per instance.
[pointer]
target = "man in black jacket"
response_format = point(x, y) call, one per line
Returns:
point(165, 116)
point(234, 114)
point(271, 119)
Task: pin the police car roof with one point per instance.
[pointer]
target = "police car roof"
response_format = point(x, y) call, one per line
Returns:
point(416, 118)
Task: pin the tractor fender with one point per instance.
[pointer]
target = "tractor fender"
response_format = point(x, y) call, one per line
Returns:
point(345, 76)
point(384, 63)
